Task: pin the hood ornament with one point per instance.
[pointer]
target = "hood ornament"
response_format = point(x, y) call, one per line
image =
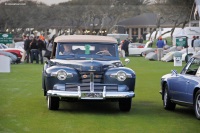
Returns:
point(91, 67)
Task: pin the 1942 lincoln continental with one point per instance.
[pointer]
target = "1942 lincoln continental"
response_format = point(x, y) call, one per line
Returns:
point(87, 67)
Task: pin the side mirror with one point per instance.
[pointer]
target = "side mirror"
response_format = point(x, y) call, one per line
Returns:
point(127, 61)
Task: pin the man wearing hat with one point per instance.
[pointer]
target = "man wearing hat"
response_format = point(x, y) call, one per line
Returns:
point(160, 44)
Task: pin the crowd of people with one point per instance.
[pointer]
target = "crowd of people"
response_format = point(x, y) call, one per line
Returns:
point(33, 47)
point(159, 45)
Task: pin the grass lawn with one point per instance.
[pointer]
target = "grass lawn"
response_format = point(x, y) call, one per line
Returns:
point(23, 108)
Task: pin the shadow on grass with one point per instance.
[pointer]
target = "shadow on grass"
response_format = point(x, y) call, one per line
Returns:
point(99, 107)
point(141, 109)
point(185, 111)
point(89, 107)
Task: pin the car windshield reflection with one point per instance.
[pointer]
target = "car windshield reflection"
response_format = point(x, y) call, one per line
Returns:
point(86, 51)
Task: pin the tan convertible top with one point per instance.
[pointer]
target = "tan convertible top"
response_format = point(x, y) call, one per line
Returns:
point(85, 38)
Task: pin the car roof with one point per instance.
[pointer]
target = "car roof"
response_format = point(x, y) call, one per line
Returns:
point(85, 38)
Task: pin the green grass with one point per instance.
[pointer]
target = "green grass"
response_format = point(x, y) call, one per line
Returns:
point(23, 107)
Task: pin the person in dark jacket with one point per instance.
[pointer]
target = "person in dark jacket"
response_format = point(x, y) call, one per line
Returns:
point(34, 50)
point(125, 47)
point(27, 48)
point(41, 46)
point(192, 43)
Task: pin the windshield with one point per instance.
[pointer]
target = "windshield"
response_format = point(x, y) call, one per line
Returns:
point(98, 51)
point(192, 67)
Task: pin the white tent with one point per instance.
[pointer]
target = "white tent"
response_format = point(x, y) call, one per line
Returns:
point(189, 32)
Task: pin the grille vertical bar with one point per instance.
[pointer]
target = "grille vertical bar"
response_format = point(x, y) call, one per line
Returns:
point(91, 82)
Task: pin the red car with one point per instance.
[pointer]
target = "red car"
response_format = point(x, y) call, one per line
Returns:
point(16, 51)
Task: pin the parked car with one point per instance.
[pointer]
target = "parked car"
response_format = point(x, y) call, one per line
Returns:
point(3, 46)
point(184, 88)
point(87, 72)
point(13, 58)
point(138, 48)
point(16, 51)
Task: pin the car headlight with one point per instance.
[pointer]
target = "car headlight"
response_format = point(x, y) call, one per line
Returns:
point(62, 74)
point(121, 76)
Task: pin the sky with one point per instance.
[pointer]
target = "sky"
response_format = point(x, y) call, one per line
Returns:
point(48, 2)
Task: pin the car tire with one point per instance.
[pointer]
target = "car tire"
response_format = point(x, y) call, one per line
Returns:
point(45, 93)
point(53, 103)
point(143, 54)
point(125, 104)
point(167, 104)
point(197, 105)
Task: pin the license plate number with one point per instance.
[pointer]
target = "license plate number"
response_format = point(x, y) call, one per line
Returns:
point(92, 95)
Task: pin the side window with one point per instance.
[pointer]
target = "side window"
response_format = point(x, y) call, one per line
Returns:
point(194, 66)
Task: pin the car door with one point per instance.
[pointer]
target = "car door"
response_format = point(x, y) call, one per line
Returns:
point(177, 87)
point(189, 80)
point(133, 49)
point(191, 83)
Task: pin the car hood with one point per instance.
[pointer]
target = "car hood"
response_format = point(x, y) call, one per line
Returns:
point(87, 65)
point(166, 76)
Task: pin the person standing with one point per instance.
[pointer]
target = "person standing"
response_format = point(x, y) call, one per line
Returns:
point(125, 47)
point(197, 44)
point(27, 48)
point(192, 43)
point(41, 46)
point(121, 50)
point(34, 50)
point(160, 45)
point(24, 53)
point(140, 39)
point(49, 47)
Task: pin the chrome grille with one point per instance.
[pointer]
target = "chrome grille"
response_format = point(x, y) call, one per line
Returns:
point(85, 77)
point(86, 87)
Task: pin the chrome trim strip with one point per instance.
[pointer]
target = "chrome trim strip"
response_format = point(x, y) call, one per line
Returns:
point(104, 91)
point(79, 92)
point(114, 75)
point(91, 82)
point(181, 101)
point(72, 94)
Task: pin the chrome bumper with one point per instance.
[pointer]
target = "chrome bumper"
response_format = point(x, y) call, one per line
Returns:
point(90, 95)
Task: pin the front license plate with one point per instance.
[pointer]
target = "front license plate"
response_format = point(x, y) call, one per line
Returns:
point(92, 95)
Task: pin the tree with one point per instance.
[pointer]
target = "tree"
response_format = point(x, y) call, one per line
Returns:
point(177, 15)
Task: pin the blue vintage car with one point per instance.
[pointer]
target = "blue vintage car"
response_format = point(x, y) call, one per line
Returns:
point(184, 88)
point(86, 67)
